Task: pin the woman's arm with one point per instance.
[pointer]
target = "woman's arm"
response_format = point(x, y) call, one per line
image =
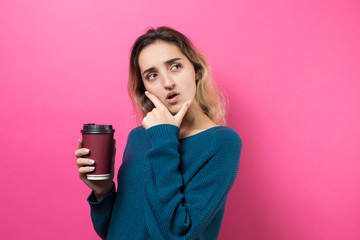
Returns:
point(100, 212)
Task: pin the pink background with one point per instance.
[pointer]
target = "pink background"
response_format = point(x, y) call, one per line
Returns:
point(291, 70)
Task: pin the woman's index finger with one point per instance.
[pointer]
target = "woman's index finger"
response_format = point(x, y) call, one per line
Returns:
point(154, 99)
point(80, 143)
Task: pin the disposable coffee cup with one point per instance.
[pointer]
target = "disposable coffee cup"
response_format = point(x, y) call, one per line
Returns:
point(99, 139)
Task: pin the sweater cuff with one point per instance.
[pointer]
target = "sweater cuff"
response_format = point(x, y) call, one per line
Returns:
point(163, 133)
point(98, 206)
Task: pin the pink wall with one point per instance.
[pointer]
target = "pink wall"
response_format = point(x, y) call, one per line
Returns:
point(292, 73)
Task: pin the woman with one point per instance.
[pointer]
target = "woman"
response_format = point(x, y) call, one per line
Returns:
point(179, 166)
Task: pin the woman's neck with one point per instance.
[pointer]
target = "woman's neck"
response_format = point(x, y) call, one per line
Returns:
point(195, 120)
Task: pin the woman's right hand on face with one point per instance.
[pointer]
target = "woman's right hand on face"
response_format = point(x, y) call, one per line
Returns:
point(86, 165)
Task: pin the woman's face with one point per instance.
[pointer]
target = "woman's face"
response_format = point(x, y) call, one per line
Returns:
point(165, 70)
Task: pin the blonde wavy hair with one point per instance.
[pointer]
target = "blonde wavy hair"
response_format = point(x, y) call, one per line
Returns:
point(211, 100)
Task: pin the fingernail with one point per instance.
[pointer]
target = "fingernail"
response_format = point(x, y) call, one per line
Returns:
point(91, 168)
point(188, 103)
point(91, 161)
point(146, 92)
point(86, 150)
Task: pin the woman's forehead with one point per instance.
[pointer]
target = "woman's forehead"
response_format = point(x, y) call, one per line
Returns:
point(158, 53)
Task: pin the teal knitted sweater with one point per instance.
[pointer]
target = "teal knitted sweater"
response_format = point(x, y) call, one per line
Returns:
point(170, 188)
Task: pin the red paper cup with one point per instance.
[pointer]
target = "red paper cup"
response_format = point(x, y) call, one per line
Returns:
point(99, 139)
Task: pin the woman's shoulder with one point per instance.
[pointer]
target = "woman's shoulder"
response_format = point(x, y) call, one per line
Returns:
point(136, 132)
point(225, 136)
point(137, 129)
point(218, 139)
point(228, 145)
point(218, 132)
point(222, 143)
point(227, 132)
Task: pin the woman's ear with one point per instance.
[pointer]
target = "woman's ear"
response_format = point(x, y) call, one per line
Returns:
point(197, 75)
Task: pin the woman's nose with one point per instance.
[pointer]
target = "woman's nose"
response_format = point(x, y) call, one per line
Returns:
point(168, 82)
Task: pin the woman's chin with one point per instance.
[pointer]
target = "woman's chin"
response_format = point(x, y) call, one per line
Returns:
point(173, 110)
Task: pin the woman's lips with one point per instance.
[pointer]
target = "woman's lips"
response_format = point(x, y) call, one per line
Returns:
point(173, 100)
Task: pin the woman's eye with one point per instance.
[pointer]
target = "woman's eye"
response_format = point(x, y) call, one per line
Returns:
point(175, 67)
point(151, 76)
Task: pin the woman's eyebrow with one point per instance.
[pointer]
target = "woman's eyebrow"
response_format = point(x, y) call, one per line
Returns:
point(148, 70)
point(166, 62)
point(172, 60)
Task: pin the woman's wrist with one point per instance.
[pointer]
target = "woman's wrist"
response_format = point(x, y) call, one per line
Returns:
point(100, 194)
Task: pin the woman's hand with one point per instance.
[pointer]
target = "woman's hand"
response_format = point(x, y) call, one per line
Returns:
point(161, 115)
point(100, 187)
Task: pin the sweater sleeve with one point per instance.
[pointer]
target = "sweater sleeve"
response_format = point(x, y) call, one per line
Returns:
point(100, 212)
point(175, 211)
